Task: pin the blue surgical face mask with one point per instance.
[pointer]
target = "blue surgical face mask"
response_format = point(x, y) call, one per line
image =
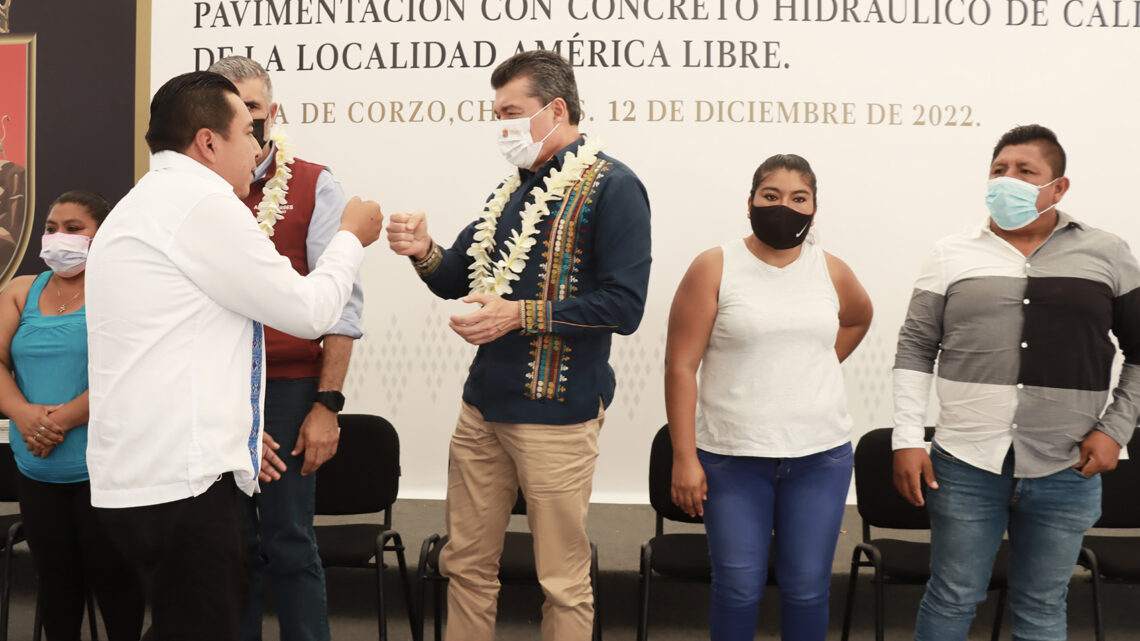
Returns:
point(1013, 203)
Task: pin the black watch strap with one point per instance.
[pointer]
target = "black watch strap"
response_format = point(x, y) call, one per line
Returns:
point(331, 399)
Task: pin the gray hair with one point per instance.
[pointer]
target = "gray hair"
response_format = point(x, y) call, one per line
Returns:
point(551, 76)
point(239, 68)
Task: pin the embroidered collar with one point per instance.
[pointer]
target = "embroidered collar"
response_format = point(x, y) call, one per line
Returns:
point(565, 170)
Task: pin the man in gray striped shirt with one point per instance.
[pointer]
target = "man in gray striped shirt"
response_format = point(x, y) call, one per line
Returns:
point(1017, 315)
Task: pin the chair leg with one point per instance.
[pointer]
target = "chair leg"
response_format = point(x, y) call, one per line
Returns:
point(646, 576)
point(440, 604)
point(1003, 594)
point(381, 612)
point(390, 541)
point(398, 547)
point(880, 607)
point(6, 597)
point(421, 607)
point(849, 606)
point(1088, 559)
point(1098, 616)
point(422, 576)
point(410, 603)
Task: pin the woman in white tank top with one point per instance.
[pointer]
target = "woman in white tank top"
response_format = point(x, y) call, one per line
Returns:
point(761, 446)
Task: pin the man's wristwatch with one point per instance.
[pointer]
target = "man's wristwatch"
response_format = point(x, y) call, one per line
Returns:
point(331, 399)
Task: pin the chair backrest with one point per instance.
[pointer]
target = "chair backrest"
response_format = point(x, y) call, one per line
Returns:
point(9, 481)
point(661, 481)
point(364, 476)
point(1119, 507)
point(880, 504)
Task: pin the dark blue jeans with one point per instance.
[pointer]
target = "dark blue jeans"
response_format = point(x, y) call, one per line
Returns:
point(279, 525)
point(969, 512)
point(749, 498)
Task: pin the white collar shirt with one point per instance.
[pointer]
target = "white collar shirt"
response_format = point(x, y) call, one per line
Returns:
point(176, 278)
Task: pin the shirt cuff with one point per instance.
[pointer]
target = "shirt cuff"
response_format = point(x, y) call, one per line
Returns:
point(346, 328)
point(908, 436)
point(535, 316)
point(911, 392)
point(430, 263)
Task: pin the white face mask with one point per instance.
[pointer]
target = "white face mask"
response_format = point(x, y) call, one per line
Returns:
point(515, 142)
point(65, 254)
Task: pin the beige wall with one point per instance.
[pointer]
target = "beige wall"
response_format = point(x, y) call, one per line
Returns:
point(887, 192)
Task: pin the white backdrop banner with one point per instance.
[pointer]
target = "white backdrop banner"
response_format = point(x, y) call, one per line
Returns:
point(896, 103)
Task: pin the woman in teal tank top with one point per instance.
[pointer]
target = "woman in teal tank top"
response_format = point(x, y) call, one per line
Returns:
point(43, 391)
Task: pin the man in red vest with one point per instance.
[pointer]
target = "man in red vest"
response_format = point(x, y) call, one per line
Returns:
point(298, 204)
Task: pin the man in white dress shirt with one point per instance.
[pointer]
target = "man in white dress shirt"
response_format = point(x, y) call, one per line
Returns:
point(177, 291)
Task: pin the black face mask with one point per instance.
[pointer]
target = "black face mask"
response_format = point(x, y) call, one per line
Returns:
point(259, 131)
point(780, 227)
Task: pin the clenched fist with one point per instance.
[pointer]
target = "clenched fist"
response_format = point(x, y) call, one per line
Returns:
point(408, 236)
point(363, 219)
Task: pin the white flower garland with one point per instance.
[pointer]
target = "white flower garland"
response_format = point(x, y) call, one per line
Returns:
point(277, 187)
point(495, 277)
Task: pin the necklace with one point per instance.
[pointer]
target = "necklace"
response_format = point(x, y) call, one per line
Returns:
point(276, 188)
point(494, 277)
point(59, 294)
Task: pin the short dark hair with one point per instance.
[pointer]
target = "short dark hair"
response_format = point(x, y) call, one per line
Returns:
point(1043, 137)
point(186, 104)
point(791, 162)
point(95, 204)
point(551, 76)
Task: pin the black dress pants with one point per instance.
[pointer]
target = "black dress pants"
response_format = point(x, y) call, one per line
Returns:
point(192, 560)
point(72, 551)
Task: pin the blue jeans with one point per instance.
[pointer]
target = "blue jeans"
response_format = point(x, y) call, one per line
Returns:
point(801, 500)
point(286, 551)
point(1046, 517)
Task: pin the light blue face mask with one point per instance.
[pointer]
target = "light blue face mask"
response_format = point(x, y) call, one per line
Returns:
point(1013, 203)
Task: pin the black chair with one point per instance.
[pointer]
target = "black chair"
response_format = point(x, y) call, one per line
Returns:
point(681, 557)
point(1115, 559)
point(678, 557)
point(896, 561)
point(516, 566)
point(364, 478)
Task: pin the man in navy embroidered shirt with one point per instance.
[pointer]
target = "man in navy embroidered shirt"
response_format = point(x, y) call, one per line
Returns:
point(1017, 314)
point(559, 262)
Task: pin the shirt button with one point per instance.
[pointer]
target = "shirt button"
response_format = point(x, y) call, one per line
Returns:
point(1020, 386)
point(1025, 301)
point(1024, 345)
point(1027, 265)
point(1014, 426)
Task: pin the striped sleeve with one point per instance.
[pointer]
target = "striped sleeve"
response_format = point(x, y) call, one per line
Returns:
point(919, 340)
point(1119, 419)
point(921, 332)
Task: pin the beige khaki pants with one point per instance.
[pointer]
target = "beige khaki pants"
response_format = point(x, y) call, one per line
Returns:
point(555, 466)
